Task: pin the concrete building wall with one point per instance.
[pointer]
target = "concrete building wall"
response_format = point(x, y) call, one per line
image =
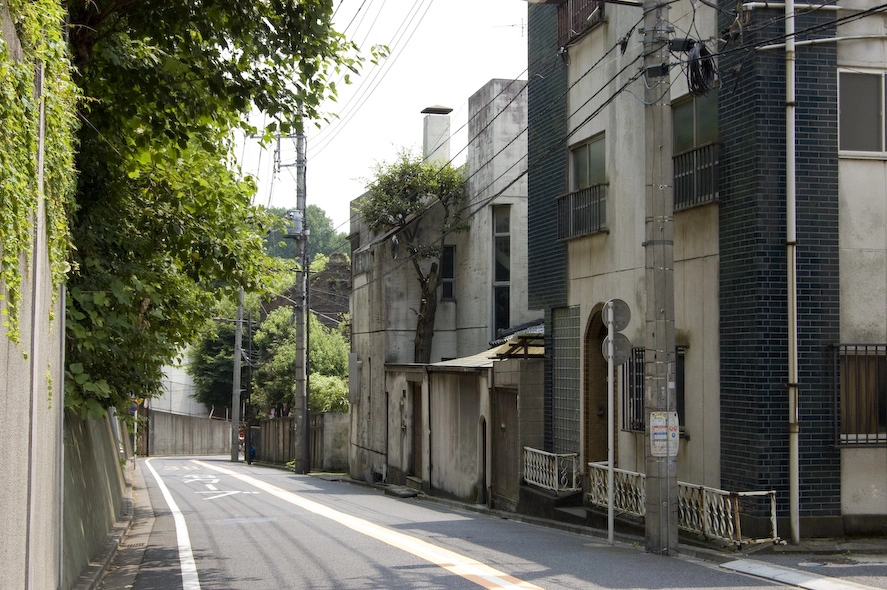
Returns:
point(863, 258)
point(178, 434)
point(611, 264)
point(178, 389)
point(459, 403)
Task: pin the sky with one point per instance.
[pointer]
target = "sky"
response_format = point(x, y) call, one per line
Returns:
point(442, 52)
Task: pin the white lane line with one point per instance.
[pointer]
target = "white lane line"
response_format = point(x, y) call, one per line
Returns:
point(463, 566)
point(190, 581)
point(790, 576)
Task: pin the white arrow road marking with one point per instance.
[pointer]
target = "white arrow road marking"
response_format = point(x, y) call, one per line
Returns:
point(190, 581)
point(463, 566)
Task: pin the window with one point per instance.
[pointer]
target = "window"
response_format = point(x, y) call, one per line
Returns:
point(583, 211)
point(634, 415)
point(861, 111)
point(696, 150)
point(501, 268)
point(448, 272)
point(861, 396)
point(588, 164)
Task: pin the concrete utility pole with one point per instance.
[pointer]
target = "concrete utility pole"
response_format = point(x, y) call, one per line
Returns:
point(235, 388)
point(659, 361)
point(298, 232)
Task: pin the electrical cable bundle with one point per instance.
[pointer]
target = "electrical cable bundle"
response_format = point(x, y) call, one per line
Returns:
point(701, 70)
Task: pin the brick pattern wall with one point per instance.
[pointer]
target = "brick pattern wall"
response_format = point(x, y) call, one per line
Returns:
point(547, 164)
point(546, 177)
point(753, 292)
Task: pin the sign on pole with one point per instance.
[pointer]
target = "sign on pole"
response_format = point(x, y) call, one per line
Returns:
point(664, 434)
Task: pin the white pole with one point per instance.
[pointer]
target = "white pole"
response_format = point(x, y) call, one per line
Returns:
point(610, 421)
point(791, 265)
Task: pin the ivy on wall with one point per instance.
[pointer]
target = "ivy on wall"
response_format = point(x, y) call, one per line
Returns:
point(39, 28)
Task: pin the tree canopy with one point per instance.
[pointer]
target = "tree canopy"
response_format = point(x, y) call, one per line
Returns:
point(423, 202)
point(163, 219)
point(324, 239)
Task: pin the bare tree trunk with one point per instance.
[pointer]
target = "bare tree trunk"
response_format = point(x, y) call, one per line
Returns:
point(426, 315)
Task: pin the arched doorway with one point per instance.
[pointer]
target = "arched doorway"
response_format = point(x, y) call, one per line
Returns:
point(595, 390)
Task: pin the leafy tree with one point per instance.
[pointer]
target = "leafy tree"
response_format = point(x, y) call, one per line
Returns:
point(212, 367)
point(163, 217)
point(423, 203)
point(328, 393)
point(274, 354)
point(323, 240)
point(274, 379)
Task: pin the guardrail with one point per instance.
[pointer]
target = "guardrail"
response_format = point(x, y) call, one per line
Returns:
point(552, 471)
point(709, 511)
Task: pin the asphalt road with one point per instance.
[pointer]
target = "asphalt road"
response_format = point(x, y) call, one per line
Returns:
point(216, 524)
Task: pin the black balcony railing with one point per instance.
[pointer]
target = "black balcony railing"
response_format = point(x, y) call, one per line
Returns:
point(574, 17)
point(582, 212)
point(696, 176)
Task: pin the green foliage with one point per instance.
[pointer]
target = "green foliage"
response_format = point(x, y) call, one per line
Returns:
point(274, 354)
point(211, 366)
point(410, 186)
point(164, 223)
point(274, 380)
point(424, 203)
point(324, 238)
point(328, 393)
point(41, 39)
point(328, 350)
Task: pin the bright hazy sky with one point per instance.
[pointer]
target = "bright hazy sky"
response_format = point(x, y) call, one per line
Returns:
point(442, 52)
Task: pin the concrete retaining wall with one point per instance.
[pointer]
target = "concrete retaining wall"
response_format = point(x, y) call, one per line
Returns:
point(93, 492)
point(177, 434)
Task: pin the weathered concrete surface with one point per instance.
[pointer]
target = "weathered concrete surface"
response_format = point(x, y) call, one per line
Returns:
point(177, 434)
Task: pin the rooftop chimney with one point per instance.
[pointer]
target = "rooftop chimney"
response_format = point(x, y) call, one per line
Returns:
point(436, 136)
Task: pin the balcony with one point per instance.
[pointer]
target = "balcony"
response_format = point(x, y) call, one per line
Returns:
point(575, 17)
point(582, 212)
point(696, 176)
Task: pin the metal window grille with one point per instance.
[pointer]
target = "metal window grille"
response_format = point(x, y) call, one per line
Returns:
point(566, 375)
point(696, 176)
point(860, 393)
point(633, 407)
point(633, 391)
point(575, 17)
point(582, 212)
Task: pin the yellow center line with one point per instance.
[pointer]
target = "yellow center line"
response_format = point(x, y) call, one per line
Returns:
point(462, 566)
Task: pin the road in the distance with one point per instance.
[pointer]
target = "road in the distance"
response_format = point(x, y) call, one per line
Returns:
point(250, 527)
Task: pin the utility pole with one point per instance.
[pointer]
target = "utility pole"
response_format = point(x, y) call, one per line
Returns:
point(298, 232)
point(235, 388)
point(661, 520)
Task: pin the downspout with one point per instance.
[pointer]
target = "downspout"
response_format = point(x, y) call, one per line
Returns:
point(791, 266)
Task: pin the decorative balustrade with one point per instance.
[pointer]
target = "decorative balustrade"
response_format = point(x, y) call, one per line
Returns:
point(552, 471)
point(711, 512)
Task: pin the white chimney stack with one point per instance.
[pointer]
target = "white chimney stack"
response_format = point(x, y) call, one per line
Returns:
point(436, 135)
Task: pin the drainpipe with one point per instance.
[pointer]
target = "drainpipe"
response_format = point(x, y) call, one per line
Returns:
point(791, 265)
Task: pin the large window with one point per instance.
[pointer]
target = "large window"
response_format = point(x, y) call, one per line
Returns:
point(861, 396)
point(501, 268)
point(583, 210)
point(861, 120)
point(696, 150)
